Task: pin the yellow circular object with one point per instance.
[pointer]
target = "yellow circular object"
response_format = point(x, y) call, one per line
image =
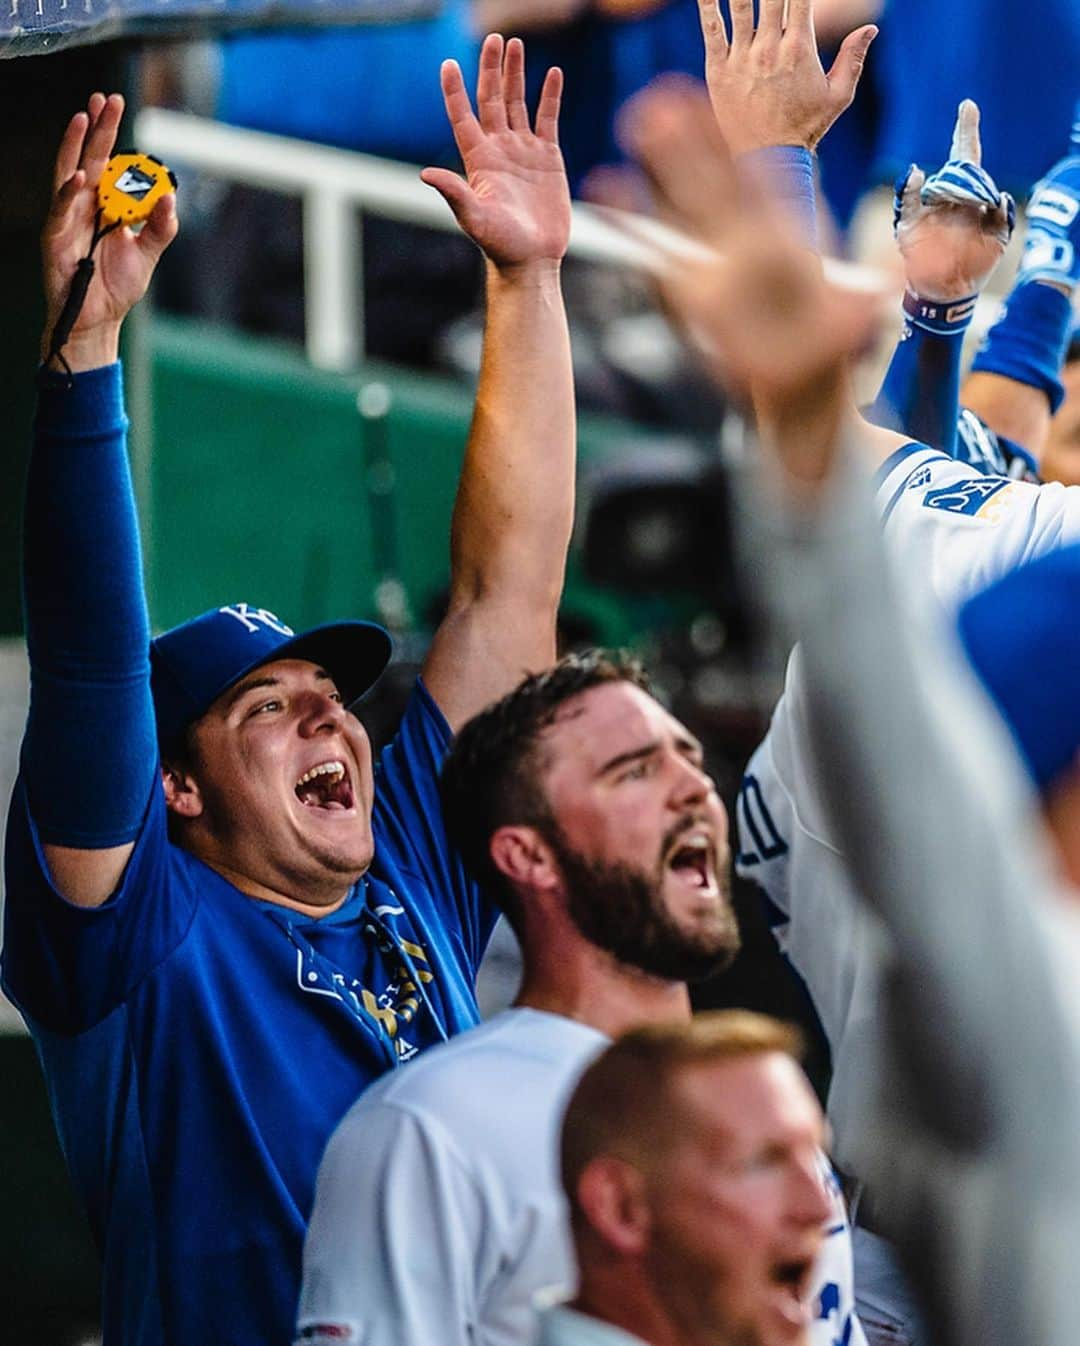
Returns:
point(131, 186)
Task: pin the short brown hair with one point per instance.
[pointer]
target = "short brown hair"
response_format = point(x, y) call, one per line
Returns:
point(491, 777)
point(622, 1102)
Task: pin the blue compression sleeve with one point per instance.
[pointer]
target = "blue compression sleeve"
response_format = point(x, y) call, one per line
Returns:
point(89, 755)
point(787, 172)
point(920, 396)
point(1029, 340)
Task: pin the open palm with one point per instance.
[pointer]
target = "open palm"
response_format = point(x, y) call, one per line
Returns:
point(514, 201)
point(755, 299)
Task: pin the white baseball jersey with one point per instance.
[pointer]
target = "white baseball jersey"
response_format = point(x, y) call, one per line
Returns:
point(439, 1213)
point(951, 532)
point(974, 1109)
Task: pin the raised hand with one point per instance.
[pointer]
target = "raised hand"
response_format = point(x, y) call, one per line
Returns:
point(759, 308)
point(124, 261)
point(767, 85)
point(1052, 246)
point(953, 227)
point(514, 200)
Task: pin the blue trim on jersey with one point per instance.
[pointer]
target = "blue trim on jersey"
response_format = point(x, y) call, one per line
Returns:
point(897, 456)
point(894, 460)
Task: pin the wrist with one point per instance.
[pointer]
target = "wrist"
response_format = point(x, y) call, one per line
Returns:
point(943, 317)
point(93, 349)
point(535, 273)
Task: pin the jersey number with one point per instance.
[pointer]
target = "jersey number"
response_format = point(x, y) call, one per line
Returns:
point(756, 826)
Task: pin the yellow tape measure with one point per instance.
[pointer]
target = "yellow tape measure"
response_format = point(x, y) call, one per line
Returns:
point(131, 186)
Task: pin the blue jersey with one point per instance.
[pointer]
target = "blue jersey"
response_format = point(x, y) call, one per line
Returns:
point(1020, 63)
point(200, 1045)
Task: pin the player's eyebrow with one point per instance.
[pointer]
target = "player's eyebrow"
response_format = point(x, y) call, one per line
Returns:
point(631, 755)
point(258, 680)
point(250, 685)
point(686, 743)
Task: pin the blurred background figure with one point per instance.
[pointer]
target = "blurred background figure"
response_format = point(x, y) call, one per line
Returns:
point(690, 1159)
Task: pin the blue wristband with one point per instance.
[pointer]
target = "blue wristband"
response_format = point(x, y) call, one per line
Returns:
point(788, 174)
point(949, 318)
point(1028, 341)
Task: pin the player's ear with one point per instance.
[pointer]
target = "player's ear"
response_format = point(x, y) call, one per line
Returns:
point(182, 794)
point(612, 1196)
point(521, 854)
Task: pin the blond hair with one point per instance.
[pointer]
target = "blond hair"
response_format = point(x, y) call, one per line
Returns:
point(622, 1104)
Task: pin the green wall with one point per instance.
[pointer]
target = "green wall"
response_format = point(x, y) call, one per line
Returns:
point(303, 491)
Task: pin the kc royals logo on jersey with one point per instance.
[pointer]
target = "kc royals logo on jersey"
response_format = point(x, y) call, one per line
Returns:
point(978, 497)
point(392, 1009)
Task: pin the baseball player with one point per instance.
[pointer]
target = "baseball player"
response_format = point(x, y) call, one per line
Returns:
point(222, 921)
point(768, 89)
point(954, 528)
point(586, 809)
point(926, 791)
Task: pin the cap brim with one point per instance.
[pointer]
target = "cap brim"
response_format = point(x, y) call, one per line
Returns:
point(353, 653)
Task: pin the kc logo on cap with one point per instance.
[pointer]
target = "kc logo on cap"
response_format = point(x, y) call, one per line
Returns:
point(250, 617)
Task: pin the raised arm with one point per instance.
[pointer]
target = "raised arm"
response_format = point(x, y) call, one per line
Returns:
point(86, 621)
point(952, 229)
point(514, 509)
point(772, 102)
point(1015, 383)
point(740, 323)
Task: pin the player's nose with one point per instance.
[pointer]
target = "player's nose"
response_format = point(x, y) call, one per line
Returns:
point(690, 782)
point(320, 712)
point(810, 1200)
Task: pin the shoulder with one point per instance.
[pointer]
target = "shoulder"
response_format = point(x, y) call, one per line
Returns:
point(520, 1054)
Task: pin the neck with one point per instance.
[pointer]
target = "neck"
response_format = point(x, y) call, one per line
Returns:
point(318, 903)
point(584, 983)
point(626, 1304)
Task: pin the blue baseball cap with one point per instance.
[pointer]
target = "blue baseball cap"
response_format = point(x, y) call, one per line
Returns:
point(191, 665)
point(1022, 635)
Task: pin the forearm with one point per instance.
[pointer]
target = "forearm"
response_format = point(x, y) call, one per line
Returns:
point(1015, 383)
point(1015, 410)
point(86, 620)
point(514, 511)
point(920, 395)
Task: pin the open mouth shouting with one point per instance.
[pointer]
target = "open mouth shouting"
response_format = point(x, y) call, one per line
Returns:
point(327, 786)
point(793, 1282)
point(691, 858)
